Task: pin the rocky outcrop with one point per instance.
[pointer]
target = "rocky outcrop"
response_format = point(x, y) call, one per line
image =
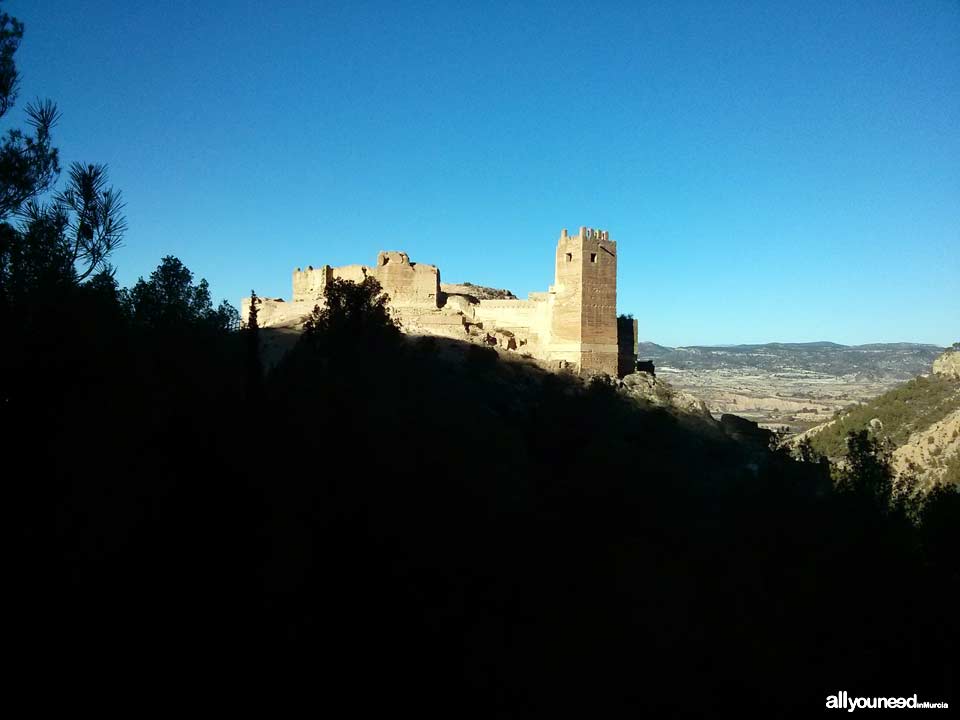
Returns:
point(948, 364)
point(646, 387)
point(745, 431)
point(476, 292)
point(927, 451)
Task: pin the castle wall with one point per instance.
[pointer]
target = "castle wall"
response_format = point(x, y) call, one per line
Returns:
point(458, 303)
point(507, 313)
point(353, 273)
point(527, 319)
point(408, 284)
point(574, 323)
point(273, 312)
point(308, 284)
point(565, 325)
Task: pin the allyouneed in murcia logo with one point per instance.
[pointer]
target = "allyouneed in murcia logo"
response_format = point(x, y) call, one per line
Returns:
point(843, 701)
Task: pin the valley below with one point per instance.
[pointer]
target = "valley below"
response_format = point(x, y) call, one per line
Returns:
point(793, 385)
point(796, 400)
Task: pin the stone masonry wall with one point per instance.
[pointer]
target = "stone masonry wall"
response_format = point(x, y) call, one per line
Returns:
point(573, 324)
point(529, 320)
point(308, 284)
point(599, 302)
point(584, 318)
point(408, 284)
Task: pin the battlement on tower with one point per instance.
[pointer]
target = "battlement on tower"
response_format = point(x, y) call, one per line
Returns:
point(586, 234)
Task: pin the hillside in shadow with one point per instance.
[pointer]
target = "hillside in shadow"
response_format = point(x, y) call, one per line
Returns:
point(409, 522)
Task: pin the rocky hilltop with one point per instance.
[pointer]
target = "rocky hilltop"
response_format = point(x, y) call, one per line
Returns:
point(648, 388)
point(476, 292)
point(948, 364)
point(932, 453)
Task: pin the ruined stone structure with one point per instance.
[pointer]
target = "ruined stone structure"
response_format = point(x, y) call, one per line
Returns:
point(571, 325)
point(410, 285)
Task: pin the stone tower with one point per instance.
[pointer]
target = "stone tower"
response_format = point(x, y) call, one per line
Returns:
point(583, 327)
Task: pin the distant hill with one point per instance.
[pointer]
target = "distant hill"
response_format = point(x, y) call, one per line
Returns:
point(649, 350)
point(875, 361)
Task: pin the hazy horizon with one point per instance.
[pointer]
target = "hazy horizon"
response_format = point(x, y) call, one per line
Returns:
point(789, 342)
point(768, 171)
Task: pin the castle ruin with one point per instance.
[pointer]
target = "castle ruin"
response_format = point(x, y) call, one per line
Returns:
point(572, 325)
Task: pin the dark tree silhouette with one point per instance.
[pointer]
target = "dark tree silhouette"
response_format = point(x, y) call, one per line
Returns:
point(85, 218)
point(170, 299)
point(11, 33)
point(354, 315)
point(29, 164)
point(867, 474)
point(251, 331)
point(33, 258)
point(252, 323)
point(97, 224)
point(940, 533)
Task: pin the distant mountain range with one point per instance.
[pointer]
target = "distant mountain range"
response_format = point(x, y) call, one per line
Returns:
point(873, 361)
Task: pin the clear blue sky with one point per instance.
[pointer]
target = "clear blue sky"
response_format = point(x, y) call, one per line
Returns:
point(771, 171)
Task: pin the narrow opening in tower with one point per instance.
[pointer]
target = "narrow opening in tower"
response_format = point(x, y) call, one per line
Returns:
point(593, 257)
point(569, 257)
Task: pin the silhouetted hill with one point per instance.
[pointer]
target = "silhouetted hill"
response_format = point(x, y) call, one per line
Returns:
point(446, 529)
